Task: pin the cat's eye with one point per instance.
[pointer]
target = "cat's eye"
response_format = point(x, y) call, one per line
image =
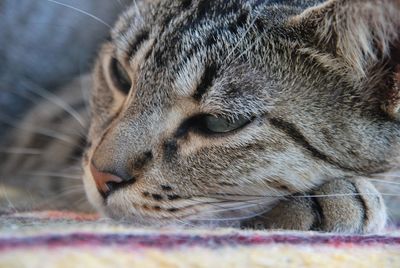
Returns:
point(215, 124)
point(120, 77)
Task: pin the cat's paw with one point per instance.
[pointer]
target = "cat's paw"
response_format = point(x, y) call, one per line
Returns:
point(340, 205)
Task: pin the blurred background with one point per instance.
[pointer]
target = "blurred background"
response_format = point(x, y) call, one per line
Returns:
point(47, 43)
point(44, 44)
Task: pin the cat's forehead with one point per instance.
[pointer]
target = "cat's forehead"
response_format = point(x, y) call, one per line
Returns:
point(180, 47)
point(178, 24)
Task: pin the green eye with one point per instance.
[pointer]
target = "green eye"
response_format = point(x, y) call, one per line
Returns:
point(223, 125)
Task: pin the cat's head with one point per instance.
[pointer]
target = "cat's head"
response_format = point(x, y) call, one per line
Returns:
point(200, 108)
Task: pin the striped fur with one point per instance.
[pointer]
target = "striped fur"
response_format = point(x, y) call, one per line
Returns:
point(316, 89)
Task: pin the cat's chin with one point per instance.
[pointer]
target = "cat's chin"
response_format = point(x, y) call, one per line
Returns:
point(201, 219)
point(152, 222)
point(123, 206)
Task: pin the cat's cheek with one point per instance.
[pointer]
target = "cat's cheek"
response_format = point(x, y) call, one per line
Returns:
point(92, 194)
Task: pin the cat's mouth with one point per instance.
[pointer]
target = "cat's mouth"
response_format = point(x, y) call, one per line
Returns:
point(145, 206)
point(210, 213)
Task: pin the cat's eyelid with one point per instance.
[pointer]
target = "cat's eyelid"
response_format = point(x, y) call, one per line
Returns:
point(107, 66)
point(120, 76)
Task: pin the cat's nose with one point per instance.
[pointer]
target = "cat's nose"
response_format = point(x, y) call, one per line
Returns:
point(107, 182)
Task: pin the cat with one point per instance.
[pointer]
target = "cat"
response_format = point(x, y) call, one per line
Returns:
point(266, 114)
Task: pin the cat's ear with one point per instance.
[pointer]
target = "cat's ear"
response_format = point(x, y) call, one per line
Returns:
point(358, 31)
point(361, 34)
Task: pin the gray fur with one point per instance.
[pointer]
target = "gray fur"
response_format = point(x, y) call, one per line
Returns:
point(316, 80)
point(315, 99)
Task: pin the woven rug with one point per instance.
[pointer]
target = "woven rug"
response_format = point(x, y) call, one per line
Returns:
point(63, 239)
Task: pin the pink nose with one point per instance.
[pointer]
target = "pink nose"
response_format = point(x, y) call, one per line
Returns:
point(104, 181)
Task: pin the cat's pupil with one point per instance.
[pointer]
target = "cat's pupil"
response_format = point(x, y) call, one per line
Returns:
point(120, 77)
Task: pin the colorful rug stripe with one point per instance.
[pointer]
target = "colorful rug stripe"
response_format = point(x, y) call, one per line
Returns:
point(64, 239)
point(209, 241)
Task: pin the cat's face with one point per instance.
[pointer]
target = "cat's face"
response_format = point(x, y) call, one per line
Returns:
point(199, 108)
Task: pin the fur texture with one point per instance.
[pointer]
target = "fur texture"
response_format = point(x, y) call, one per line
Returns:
point(310, 77)
point(315, 82)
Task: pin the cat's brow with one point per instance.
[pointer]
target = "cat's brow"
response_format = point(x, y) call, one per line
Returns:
point(135, 46)
point(206, 81)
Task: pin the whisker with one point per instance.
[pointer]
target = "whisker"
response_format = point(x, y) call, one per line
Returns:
point(77, 168)
point(42, 131)
point(384, 181)
point(81, 200)
point(249, 204)
point(225, 209)
point(243, 195)
point(29, 96)
point(241, 39)
point(52, 174)
point(297, 196)
point(34, 152)
point(23, 151)
point(6, 196)
point(352, 194)
point(235, 218)
point(251, 46)
point(59, 102)
point(388, 175)
point(225, 200)
point(69, 192)
point(325, 195)
point(138, 10)
point(82, 12)
point(181, 221)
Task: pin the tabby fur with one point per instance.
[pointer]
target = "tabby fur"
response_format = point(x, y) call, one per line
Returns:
point(317, 81)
